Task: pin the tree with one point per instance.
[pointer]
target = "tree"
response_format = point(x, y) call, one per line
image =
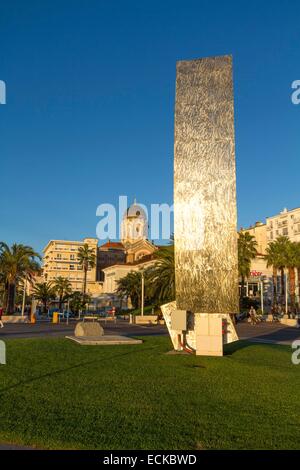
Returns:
point(277, 256)
point(78, 301)
point(272, 259)
point(87, 259)
point(130, 286)
point(44, 291)
point(291, 262)
point(161, 276)
point(63, 289)
point(246, 253)
point(17, 263)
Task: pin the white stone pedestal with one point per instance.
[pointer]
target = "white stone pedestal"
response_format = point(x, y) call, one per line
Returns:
point(205, 333)
point(209, 337)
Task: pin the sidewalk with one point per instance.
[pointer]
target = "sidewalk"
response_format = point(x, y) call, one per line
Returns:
point(14, 447)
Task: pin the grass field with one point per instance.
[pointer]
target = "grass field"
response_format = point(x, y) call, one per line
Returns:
point(57, 394)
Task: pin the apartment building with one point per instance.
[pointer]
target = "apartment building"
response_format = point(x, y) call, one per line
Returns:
point(286, 223)
point(60, 259)
point(259, 232)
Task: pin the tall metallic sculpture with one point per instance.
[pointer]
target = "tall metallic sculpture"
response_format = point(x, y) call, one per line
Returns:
point(204, 207)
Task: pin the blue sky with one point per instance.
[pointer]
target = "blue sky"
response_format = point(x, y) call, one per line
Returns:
point(90, 103)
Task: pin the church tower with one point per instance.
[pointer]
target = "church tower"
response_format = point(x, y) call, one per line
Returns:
point(134, 224)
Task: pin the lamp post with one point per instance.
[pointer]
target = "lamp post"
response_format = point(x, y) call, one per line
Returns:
point(286, 294)
point(262, 296)
point(143, 288)
point(24, 297)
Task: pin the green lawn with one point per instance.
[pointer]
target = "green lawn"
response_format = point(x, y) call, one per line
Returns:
point(57, 394)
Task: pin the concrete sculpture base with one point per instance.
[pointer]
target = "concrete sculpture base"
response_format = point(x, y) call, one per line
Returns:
point(106, 340)
point(204, 333)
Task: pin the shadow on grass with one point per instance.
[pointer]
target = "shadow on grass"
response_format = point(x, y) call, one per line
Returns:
point(76, 366)
point(230, 349)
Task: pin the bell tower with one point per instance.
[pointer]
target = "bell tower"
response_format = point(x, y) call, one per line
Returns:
point(134, 224)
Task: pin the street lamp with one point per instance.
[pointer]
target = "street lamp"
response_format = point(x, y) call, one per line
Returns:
point(286, 294)
point(24, 297)
point(262, 295)
point(143, 289)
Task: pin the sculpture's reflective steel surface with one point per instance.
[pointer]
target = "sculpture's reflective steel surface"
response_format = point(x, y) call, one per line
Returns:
point(204, 187)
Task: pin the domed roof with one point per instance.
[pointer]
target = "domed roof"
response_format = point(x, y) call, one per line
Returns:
point(135, 210)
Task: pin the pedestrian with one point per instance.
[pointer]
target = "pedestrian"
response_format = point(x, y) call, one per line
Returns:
point(1, 314)
point(252, 314)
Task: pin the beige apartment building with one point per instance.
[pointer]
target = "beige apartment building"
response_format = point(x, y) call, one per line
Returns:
point(286, 223)
point(259, 232)
point(60, 259)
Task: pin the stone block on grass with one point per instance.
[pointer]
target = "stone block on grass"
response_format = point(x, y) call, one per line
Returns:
point(88, 329)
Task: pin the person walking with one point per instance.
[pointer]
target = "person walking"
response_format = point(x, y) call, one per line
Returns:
point(252, 314)
point(1, 314)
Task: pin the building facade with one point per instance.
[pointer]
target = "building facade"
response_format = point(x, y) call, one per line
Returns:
point(259, 232)
point(114, 260)
point(286, 223)
point(61, 259)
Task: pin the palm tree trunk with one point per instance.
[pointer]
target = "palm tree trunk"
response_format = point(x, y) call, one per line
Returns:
point(274, 286)
point(84, 282)
point(243, 287)
point(292, 287)
point(60, 302)
point(84, 287)
point(282, 286)
point(11, 298)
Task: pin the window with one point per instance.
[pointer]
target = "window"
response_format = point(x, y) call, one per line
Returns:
point(285, 231)
point(72, 267)
point(72, 256)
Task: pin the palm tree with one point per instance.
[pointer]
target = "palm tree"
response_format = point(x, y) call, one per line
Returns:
point(130, 286)
point(291, 263)
point(246, 253)
point(277, 256)
point(77, 301)
point(161, 276)
point(17, 263)
point(63, 289)
point(87, 259)
point(44, 291)
point(272, 259)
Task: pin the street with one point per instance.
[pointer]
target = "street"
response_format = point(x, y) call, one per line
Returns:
point(262, 332)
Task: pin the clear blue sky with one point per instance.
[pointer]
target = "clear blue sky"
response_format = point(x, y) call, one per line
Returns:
point(90, 101)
